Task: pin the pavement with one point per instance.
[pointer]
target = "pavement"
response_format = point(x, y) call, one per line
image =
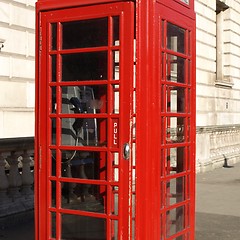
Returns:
point(218, 204)
point(217, 208)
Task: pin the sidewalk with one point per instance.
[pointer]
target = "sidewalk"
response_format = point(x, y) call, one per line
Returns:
point(217, 208)
point(218, 204)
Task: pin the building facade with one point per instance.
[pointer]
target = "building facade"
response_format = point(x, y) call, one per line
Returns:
point(17, 68)
point(218, 83)
point(217, 77)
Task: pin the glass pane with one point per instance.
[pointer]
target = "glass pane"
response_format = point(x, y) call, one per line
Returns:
point(53, 64)
point(84, 165)
point(84, 66)
point(54, 127)
point(162, 32)
point(54, 35)
point(175, 220)
point(53, 167)
point(115, 230)
point(84, 132)
point(83, 197)
point(175, 69)
point(115, 167)
point(175, 97)
point(175, 129)
point(116, 95)
point(81, 227)
point(175, 38)
point(85, 33)
point(53, 223)
point(187, 2)
point(53, 104)
point(53, 192)
point(116, 65)
point(175, 160)
point(84, 99)
point(114, 204)
point(175, 190)
point(116, 31)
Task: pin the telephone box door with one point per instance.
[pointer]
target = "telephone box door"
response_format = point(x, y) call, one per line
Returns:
point(84, 131)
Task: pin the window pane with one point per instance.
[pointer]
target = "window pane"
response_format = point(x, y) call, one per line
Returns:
point(84, 132)
point(175, 190)
point(175, 38)
point(81, 227)
point(175, 160)
point(175, 220)
point(84, 99)
point(85, 33)
point(175, 129)
point(54, 36)
point(84, 66)
point(175, 69)
point(175, 99)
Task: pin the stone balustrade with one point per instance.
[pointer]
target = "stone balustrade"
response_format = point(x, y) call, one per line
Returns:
point(215, 145)
point(16, 175)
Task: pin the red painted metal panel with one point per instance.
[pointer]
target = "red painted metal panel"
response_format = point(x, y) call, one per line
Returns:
point(43, 5)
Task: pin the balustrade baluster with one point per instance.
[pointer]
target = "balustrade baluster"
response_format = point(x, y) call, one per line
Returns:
point(27, 177)
point(15, 180)
point(4, 184)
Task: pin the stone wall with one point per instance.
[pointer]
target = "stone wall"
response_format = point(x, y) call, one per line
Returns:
point(218, 82)
point(17, 68)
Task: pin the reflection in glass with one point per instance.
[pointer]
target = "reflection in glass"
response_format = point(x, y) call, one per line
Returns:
point(115, 230)
point(175, 130)
point(175, 38)
point(175, 216)
point(81, 227)
point(175, 190)
point(175, 99)
point(116, 95)
point(84, 66)
point(175, 69)
point(84, 99)
point(185, 1)
point(175, 160)
point(116, 65)
point(85, 33)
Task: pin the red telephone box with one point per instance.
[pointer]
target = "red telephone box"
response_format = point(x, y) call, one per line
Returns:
point(115, 120)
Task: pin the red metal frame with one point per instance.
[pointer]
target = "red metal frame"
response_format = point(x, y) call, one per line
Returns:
point(44, 178)
point(161, 189)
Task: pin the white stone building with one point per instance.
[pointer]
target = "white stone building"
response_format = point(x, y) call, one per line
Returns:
point(217, 74)
point(17, 68)
point(218, 82)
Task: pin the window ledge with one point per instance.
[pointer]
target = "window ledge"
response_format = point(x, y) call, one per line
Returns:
point(225, 83)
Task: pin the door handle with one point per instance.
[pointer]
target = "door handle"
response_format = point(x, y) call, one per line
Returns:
point(126, 151)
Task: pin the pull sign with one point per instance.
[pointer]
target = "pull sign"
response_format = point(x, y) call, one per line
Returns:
point(115, 132)
point(126, 151)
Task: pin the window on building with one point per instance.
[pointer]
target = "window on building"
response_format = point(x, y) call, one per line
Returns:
point(222, 79)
